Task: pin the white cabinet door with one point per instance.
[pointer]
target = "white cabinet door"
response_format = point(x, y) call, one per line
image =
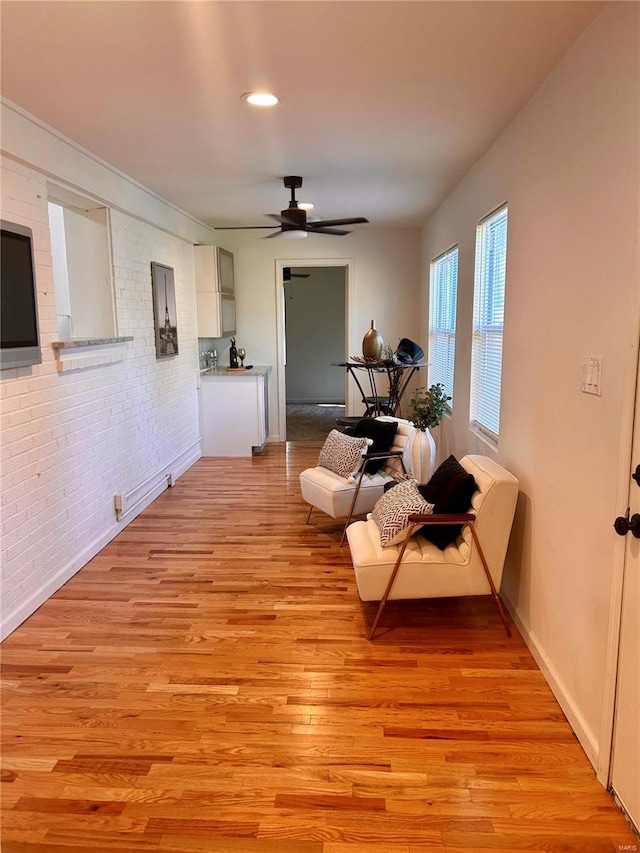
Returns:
point(233, 415)
point(208, 311)
point(215, 286)
point(214, 270)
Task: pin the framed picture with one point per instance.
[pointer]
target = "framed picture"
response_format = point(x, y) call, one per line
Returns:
point(164, 310)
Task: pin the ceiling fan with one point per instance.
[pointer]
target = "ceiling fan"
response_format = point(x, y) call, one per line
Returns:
point(293, 220)
point(287, 275)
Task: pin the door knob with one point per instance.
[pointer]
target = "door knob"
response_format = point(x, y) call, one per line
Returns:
point(636, 475)
point(623, 524)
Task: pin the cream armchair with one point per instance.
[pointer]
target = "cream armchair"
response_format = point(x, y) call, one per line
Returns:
point(416, 568)
point(412, 452)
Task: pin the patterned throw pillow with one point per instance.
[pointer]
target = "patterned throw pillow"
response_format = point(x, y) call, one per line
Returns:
point(342, 453)
point(392, 511)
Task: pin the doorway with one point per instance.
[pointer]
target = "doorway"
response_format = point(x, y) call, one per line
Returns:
point(313, 299)
point(314, 316)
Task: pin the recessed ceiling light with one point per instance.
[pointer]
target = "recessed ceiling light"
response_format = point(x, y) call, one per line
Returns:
point(306, 205)
point(261, 99)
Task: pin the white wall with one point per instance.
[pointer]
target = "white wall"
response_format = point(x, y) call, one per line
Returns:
point(71, 440)
point(568, 167)
point(315, 309)
point(385, 287)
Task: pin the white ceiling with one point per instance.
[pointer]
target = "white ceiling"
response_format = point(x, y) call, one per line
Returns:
point(386, 104)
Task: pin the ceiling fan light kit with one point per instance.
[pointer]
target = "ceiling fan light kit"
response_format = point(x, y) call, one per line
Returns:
point(293, 220)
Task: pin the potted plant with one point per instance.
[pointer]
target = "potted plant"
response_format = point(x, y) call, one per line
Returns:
point(428, 406)
point(427, 410)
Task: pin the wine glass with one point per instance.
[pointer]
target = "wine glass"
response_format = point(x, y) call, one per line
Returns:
point(242, 355)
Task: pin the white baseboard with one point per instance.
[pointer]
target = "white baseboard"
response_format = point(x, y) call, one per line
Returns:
point(51, 584)
point(588, 740)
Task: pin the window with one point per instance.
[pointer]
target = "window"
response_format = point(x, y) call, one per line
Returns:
point(81, 253)
point(488, 323)
point(443, 291)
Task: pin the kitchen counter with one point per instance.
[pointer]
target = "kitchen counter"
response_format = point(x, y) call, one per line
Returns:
point(218, 372)
point(234, 411)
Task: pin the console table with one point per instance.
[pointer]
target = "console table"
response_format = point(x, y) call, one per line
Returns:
point(399, 375)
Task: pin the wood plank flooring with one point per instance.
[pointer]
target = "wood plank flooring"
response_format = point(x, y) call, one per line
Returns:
point(204, 684)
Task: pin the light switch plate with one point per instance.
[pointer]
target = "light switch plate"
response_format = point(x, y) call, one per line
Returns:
point(592, 375)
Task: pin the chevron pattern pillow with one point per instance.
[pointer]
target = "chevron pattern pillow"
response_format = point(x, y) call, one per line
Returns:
point(342, 453)
point(392, 511)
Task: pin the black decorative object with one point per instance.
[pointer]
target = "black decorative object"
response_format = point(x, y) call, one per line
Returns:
point(409, 352)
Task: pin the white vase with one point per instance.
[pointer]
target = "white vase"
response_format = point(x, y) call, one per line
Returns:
point(419, 455)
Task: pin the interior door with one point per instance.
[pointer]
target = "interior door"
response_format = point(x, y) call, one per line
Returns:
point(625, 775)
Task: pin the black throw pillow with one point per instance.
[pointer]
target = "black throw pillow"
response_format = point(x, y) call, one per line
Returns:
point(450, 490)
point(381, 433)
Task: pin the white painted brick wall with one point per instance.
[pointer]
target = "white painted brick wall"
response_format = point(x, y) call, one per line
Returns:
point(71, 441)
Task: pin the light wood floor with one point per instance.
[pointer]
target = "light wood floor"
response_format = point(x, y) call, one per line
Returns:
point(205, 684)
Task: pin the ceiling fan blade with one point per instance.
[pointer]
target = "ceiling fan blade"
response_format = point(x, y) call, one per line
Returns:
point(271, 236)
point(283, 220)
point(355, 220)
point(337, 231)
point(240, 227)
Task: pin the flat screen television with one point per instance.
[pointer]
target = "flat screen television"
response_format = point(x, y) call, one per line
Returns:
point(19, 335)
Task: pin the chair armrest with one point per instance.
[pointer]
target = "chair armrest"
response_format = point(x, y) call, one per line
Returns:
point(371, 457)
point(387, 454)
point(443, 518)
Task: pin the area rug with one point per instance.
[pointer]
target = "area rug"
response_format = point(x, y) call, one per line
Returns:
point(306, 422)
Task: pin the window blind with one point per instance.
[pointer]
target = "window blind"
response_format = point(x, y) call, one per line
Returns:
point(488, 322)
point(443, 292)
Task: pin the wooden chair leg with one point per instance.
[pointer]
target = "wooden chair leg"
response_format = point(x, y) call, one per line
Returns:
point(387, 591)
point(494, 592)
point(310, 511)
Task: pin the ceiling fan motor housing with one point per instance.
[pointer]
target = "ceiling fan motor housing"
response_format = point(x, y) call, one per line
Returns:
point(294, 219)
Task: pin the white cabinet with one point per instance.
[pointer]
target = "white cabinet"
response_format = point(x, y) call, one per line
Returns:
point(215, 292)
point(234, 412)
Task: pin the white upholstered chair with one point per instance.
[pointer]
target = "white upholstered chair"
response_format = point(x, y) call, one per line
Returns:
point(416, 568)
point(412, 452)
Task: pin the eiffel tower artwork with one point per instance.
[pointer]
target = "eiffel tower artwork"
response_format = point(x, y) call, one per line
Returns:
point(164, 310)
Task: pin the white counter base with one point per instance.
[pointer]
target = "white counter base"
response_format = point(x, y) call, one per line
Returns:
point(234, 412)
